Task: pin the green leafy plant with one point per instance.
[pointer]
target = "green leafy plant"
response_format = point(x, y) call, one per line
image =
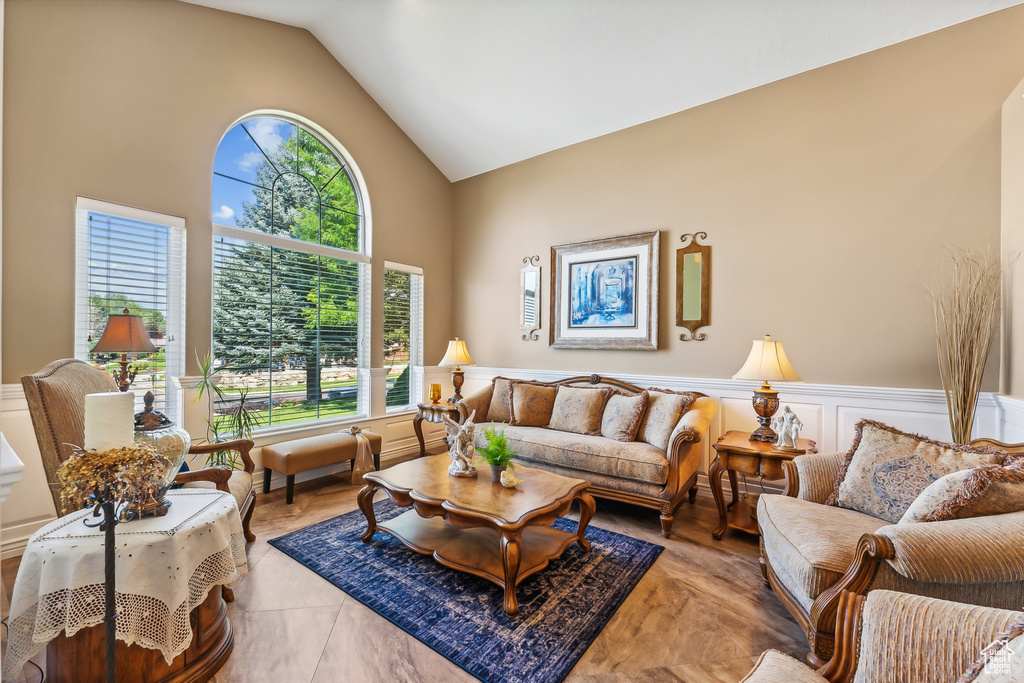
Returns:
point(238, 423)
point(496, 453)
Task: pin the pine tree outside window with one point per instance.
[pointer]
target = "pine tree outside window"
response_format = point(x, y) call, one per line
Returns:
point(290, 276)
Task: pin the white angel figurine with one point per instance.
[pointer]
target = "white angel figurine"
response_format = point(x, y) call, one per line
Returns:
point(460, 446)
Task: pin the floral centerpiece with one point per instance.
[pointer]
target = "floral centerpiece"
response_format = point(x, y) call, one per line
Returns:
point(127, 475)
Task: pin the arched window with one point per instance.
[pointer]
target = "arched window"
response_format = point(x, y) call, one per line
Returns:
point(289, 272)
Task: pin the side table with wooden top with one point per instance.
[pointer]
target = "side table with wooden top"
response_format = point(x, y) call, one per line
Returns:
point(735, 453)
point(432, 412)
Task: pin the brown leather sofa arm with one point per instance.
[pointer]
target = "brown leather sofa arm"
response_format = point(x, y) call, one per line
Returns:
point(478, 401)
point(218, 475)
point(243, 446)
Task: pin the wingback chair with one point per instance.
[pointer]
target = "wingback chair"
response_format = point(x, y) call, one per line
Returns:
point(812, 552)
point(890, 637)
point(56, 401)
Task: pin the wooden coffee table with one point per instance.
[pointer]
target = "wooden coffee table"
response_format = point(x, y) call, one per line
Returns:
point(475, 526)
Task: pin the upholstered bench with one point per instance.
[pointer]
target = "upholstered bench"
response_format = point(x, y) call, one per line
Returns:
point(299, 455)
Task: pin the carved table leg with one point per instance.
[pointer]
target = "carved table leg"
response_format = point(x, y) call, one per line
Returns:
point(365, 500)
point(417, 425)
point(587, 509)
point(734, 486)
point(715, 479)
point(510, 556)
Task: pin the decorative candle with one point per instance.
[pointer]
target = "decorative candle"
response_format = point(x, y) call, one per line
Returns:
point(109, 420)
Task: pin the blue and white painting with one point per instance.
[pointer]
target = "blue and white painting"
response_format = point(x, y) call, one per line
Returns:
point(602, 294)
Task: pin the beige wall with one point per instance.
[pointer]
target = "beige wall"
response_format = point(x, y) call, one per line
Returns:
point(1013, 241)
point(827, 199)
point(126, 101)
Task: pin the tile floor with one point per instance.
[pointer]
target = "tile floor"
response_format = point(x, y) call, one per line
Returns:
point(700, 614)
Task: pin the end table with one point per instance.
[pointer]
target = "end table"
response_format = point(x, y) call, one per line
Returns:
point(736, 453)
point(432, 412)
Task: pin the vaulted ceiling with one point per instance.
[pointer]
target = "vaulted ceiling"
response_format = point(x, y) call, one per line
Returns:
point(479, 84)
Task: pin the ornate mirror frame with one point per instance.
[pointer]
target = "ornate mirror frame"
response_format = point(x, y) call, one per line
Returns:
point(693, 286)
point(529, 298)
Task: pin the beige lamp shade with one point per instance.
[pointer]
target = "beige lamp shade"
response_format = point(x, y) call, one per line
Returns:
point(457, 355)
point(125, 333)
point(767, 362)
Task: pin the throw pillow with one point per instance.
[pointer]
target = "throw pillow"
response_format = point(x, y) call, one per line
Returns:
point(622, 415)
point(531, 403)
point(886, 469)
point(1003, 659)
point(579, 410)
point(664, 408)
point(982, 491)
point(500, 409)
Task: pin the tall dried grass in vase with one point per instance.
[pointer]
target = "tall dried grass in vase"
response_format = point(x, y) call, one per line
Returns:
point(966, 303)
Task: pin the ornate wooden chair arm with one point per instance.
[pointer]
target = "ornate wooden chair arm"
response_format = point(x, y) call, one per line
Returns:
point(843, 665)
point(218, 475)
point(243, 446)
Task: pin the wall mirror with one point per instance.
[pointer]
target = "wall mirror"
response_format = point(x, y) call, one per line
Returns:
point(529, 298)
point(693, 286)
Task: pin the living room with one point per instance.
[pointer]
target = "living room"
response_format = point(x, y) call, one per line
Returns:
point(829, 197)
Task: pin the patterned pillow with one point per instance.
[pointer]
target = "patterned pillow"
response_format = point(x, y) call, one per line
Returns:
point(983, 491)
point(531, 403)
point(579, 409)
point(1003, 660)
point(622, 415)
point(664, 408)
point(886, 469)
point(500, 409)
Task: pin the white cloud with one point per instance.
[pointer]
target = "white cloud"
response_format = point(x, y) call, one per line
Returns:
point(250, 160)
point(266, 133)
point(225, 213)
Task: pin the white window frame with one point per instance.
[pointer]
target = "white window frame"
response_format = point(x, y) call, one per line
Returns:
point(174, 349)
point(415, 335)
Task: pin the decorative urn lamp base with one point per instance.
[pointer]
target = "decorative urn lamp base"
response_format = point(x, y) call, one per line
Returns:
point(766, 403)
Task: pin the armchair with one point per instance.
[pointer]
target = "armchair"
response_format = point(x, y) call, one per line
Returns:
point(890, 636)
point(56, 402)
point(811, 553)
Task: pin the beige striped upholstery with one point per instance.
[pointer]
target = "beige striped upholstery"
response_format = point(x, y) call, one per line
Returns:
point(774, 667)
point(812, 543)
point(817, 474)
point(299, 455)
point(975, 550)
point(913, 638)
point(239, 485)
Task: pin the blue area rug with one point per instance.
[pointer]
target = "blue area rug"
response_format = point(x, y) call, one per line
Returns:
point(561, 608)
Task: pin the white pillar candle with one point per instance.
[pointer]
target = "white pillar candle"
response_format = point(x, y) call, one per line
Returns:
point(109, 420)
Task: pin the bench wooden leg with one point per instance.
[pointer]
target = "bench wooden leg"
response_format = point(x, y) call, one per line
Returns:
point(376, 461)
point(290, 489)
point(266, 479)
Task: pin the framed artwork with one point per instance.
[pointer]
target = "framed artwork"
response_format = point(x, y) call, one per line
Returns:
point(604, 293)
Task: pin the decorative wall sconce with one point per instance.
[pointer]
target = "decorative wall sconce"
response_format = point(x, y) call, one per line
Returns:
point(693, 286)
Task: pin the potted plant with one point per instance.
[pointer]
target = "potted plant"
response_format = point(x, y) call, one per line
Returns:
point(496, 453)
point(242, 418)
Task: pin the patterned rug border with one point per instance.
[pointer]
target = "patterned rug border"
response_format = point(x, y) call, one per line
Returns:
point(641, 562)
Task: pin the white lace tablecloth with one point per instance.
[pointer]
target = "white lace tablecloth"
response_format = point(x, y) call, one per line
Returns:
point(166, 566)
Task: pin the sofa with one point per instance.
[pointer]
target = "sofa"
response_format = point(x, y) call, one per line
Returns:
point(957, 535)
point(637, 445)
point(890, 637)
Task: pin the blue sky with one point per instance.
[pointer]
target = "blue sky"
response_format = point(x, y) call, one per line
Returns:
point(239, 157)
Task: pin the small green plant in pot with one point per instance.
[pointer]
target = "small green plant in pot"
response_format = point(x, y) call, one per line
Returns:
point(496, 453)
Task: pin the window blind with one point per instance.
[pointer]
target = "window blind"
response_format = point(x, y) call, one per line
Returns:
point(134, 259)
point(403, 333)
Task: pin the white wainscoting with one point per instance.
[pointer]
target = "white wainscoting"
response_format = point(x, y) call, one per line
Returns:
point(829, 412)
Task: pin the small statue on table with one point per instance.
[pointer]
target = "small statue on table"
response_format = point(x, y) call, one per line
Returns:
point(787, 426)
point(460, 446)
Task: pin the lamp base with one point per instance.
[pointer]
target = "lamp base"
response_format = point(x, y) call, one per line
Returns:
point(766, 402)
point(458, 377)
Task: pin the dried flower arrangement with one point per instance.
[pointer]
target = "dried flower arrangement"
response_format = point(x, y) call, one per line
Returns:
point(125, 475)
point(966, 303)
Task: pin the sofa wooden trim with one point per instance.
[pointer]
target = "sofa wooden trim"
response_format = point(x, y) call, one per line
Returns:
point(843, 666)
point(683, 453)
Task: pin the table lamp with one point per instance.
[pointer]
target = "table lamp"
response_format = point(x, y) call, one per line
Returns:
point(125, 333)
point(766, 363)
point(456, 356)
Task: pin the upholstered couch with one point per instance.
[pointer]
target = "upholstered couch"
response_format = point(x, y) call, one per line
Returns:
point(888, 637)
point(814, 546)
point(641, 446)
